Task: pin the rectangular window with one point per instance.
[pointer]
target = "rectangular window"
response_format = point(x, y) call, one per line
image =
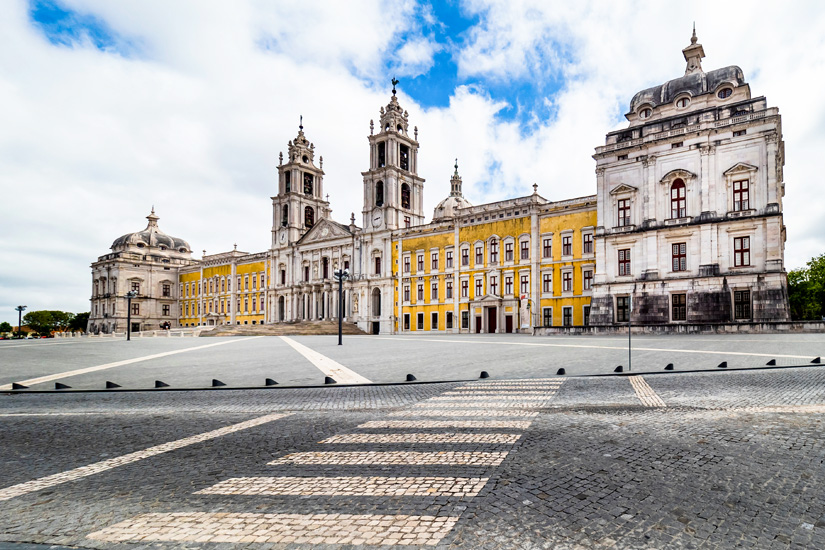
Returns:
point(167, 290)
point(465, 256)
point(420, 321)
point(465, 319)
point(479, 255)
point(741, 251)
point(245, 283)
point(547, 248)
point(494, 251)
point(136, 287)
point(406, 264)
point(547, 316)
point(622, 309)
point(508, 252)
point(434, 261)
point(587, 243)
point(378, 265)
point(404, 157)
point(624, 262)
point(449, 319)
point(741, 195)
point(420, 263)
point(567, 316)
point(567, 281)
point(187, 309)
point(525, 250)
point(624, 212)
point(449, 290)
point(406, 293)
point(449, 260)
point(283, 276)
point(494, 285)
point(406, 321)
point(434, 292)
point(508, 286)
point(434, 321)
point(135, 309)
point(525, 284)
point(479, 288)
point(587, 279)
point(306, 273)
point(420, 293)
point(741, 304)
point(547, 283)
point(567, 245)
point(678, 307)
point(465, 289)
point(406, 221)
point(679, 251)
point(586, 318)
point(254, 282)
point(262, 281)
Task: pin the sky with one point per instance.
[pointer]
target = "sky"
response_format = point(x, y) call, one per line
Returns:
point(110, 108)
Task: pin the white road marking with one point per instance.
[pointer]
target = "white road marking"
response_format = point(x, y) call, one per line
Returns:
point(333, 369)
point(381, 458)
point(645, 393)
point(412, 438)
point(349, 486)
point(62, 375)
point(372, 529)
point(104, 465)
point(404, 424)
point(8, 346)
point(623, 348)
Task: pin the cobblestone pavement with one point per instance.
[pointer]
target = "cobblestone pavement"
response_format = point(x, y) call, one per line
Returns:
point(673, 460)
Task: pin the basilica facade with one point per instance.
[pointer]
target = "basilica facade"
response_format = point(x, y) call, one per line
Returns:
point(685, 227)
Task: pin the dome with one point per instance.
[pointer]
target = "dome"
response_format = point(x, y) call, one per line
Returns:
point(447, 208)
point(152, 237)
point(694, 84)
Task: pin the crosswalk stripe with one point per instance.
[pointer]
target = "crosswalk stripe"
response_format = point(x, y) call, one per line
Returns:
point(487, 405)
point(457, 412)
point(329, 367)
point(504, 397)
point(381, 458)
point(400, 424)
point(349, 486)
point(354, 529)
point(499, 439)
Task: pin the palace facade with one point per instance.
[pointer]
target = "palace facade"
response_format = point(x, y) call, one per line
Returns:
point(685, 227)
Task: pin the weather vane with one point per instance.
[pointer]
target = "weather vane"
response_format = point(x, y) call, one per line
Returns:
point(395, 82)
point(301, 123)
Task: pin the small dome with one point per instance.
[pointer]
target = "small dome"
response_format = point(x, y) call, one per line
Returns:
point(152, 237)
point(447, 208)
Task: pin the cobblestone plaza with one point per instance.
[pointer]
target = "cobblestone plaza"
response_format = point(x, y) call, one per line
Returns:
point(714, 458)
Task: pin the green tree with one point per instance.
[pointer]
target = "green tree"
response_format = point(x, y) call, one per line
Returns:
point(44, 322)
point(5, 327)
point(806, 290)
point(79, 322)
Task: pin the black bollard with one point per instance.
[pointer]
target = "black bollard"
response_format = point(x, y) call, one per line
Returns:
point(329, 380)
point(270, 382)
point(484, 374)
point(411, 378)
point(110, 385)
point(561, 372)
point(159, 384)
point(669, 366)
point(619, 369)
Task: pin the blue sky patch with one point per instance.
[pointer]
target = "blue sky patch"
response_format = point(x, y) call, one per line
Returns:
point(65, 27)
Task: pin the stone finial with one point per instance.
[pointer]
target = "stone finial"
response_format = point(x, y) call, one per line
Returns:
point(352, 219)
point(321, 162)
point(327, 197)
point(280, 158)
point(693, 38)
point(301, 122)
point(415, 131)
point(372, 127)
point(153, 218)
point(535, 188)
point(236, 247)
point(204, 253)
point(395, 82)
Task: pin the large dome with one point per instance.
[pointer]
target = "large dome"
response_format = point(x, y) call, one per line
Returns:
point(695, 84)
point(151, 237)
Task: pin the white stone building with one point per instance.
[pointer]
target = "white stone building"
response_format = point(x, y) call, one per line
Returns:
point(146, 262)
point(690, 205)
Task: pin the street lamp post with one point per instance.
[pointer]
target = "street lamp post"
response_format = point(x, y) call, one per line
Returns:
point(129, 295)
point(20, 310)
point(340, 275)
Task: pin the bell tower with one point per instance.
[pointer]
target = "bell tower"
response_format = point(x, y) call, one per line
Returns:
point(300, 202)
point(393, 191)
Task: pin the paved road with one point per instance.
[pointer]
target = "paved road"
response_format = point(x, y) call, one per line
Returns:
point(685, 460)
point(248, 361)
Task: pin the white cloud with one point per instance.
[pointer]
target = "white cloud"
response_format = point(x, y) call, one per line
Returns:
point(415, 57)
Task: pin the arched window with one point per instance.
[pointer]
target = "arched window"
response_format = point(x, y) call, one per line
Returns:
point(285, 216)
point(308, 180)
point(281, 309)
point(382, 154)
point(379, 193)
point(287, 182)
point(677, 199)
point(309, 217)
point(405, 195)
point(376, 302)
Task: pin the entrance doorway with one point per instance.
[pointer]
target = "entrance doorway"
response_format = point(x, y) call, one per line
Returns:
point(508, 324)
point(135, 327)
point(492, 316)
point(376, 327)
point(478, 324)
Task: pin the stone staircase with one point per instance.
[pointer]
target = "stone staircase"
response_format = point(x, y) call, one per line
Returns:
point(283, 329)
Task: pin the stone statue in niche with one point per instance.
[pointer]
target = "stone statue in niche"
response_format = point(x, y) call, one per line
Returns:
point(355, 303)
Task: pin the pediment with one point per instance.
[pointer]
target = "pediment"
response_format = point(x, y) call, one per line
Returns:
point(623, 188)
point(679, 173)
point(489, 298)
point(325, 230)
point(740, 167)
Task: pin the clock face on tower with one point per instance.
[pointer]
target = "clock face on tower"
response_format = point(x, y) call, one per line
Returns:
point(283, 237)
point(377, 218)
